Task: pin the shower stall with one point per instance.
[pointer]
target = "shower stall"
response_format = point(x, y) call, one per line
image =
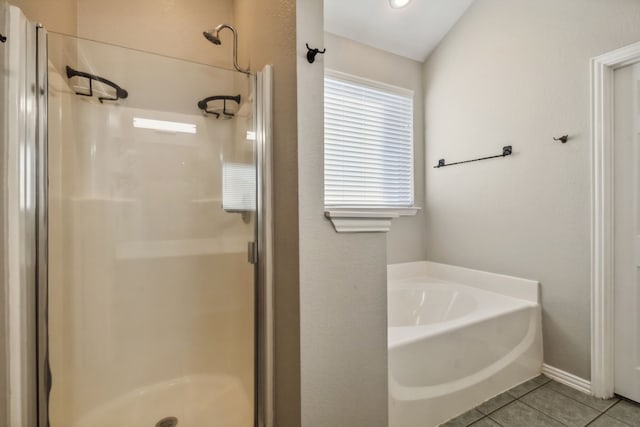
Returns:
point(134, 247)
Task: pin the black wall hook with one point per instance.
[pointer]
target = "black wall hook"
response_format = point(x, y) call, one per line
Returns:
point(311, 54)
point(563, 139)
point(2, 38)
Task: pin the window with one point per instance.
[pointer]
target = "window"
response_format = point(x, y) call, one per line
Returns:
point(368, 154)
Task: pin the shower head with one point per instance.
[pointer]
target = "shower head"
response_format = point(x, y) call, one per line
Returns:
point(214, 37)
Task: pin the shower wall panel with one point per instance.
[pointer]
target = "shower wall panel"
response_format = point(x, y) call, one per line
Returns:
point(151, 311)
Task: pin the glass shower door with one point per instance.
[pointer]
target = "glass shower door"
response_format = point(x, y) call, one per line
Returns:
point(152, 200)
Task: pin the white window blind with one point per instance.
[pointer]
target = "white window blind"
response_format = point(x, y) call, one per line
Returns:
point(368, 150)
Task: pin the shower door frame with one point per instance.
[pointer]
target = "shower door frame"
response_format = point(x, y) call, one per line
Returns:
point(42, 229)
point(21, 154)
point(37, 326)
point(264, 402)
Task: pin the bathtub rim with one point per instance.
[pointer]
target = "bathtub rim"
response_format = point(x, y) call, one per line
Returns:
point(515, 287)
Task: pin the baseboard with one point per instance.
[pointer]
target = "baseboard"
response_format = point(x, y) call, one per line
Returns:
point(567, 379)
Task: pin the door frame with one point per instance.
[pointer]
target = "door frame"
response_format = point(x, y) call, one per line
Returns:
point(602, 211)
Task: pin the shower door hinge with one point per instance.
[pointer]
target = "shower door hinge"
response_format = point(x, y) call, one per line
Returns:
point(252, 253)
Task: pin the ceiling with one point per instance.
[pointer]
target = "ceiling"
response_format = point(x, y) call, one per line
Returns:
point(412, 32)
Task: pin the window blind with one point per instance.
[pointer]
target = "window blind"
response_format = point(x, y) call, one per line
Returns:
point(368, 150)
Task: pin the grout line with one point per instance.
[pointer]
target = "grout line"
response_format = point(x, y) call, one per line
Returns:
point(495, 420)
point(581, 403)
point(543, 413)
point(602, 411)
point(570, 398)
point(478, 420)
point(530, 391)
point(612, 405)
point(473, 422)
point(549, 380)
point(609, 408)
point(594, 420)
point(502, 406)
point(616, 418)
point(603, 414)
point(617, 399)
point(499, 407)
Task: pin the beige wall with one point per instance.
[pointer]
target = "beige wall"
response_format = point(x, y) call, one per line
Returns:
point(342, 276)
point(59, 15)
point(166, 27)
point(268, 36)
point(517, 72)
point(348, 56)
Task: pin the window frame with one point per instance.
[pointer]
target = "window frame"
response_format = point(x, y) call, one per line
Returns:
point(355, 218)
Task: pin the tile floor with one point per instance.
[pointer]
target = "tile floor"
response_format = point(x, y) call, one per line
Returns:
point(542, 402)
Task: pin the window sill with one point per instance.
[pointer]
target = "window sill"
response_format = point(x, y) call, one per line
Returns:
point(366, 220)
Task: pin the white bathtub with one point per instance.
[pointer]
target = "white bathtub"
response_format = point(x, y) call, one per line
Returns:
point(457, 337)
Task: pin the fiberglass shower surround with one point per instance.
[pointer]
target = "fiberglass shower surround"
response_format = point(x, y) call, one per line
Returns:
point(127, 200)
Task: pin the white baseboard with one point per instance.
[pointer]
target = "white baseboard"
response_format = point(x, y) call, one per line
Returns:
point(567, 379)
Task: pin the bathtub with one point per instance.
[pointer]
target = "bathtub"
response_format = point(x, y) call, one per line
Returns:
point(457, 337)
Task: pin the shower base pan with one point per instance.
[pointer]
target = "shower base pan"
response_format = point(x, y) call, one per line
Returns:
point(191, 401)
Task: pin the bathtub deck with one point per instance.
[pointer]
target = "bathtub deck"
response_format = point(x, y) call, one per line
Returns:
point(543, 402)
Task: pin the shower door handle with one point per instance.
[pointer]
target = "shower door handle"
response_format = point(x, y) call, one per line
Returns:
point(252, 253)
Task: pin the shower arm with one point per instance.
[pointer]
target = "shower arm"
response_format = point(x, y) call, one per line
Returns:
point(235, 48)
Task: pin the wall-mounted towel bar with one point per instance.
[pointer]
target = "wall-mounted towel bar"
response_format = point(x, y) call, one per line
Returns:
point(120, 93)
point(506, 151)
